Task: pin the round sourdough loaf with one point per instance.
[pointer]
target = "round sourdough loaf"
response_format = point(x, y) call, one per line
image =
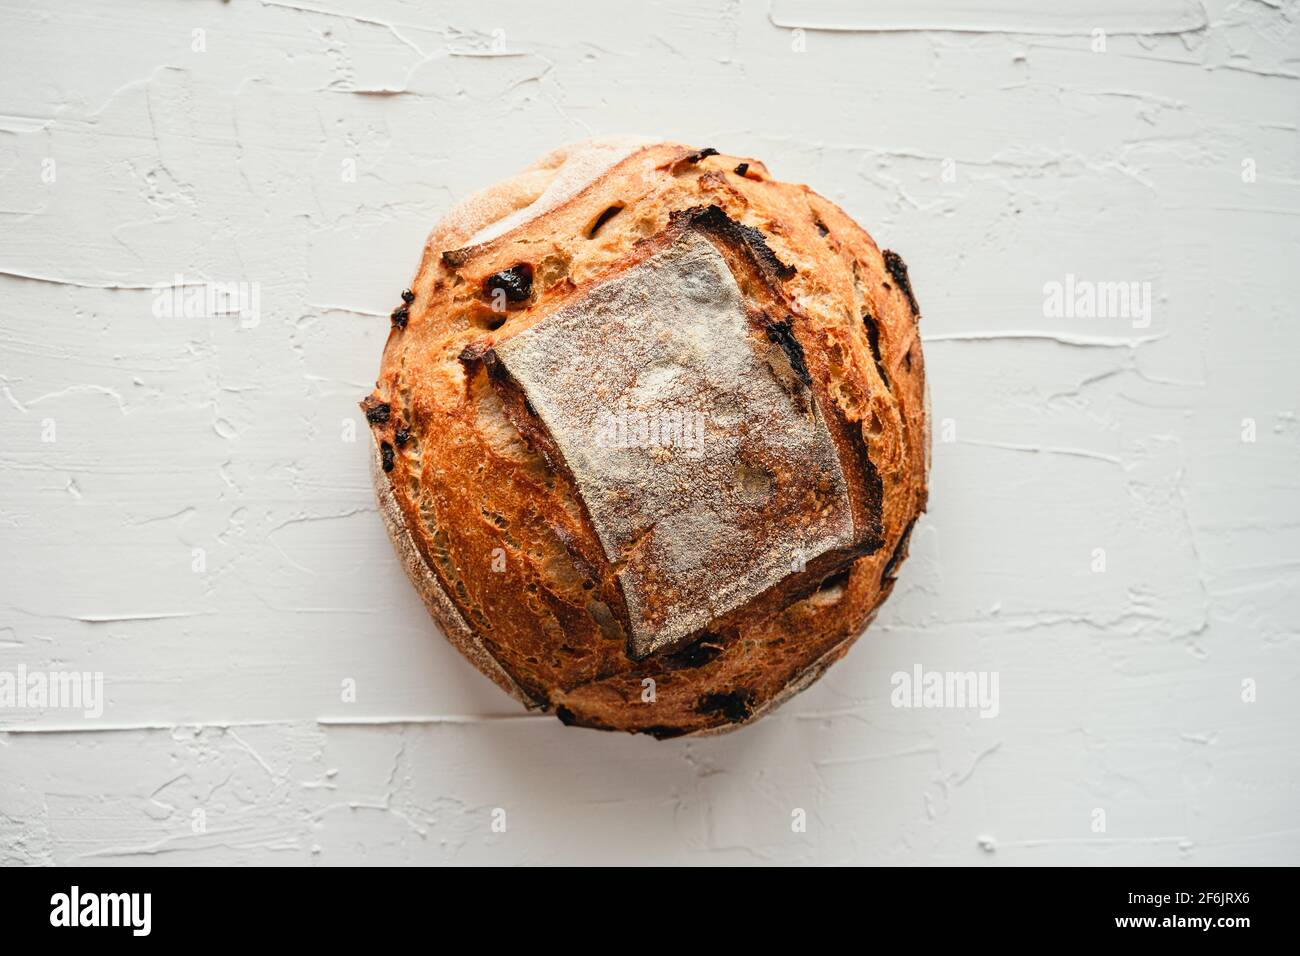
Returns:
point(650, 434)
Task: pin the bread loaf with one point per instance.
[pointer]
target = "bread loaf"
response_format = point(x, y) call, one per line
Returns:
point(650, 434)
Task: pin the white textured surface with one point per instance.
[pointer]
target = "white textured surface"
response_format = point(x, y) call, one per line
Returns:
point(1119, 691)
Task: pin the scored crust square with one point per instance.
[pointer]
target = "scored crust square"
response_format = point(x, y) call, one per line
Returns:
point(691, 433)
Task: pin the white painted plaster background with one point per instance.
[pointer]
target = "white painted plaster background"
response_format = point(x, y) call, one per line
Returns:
point(1119, 691)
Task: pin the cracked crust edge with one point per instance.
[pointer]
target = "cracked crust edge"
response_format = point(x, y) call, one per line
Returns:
point(434, 595)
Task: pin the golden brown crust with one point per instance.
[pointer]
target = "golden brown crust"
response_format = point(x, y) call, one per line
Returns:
point(498, 540)
point(432, 592)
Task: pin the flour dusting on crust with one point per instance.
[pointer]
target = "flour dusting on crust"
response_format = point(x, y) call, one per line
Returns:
point(707, 477)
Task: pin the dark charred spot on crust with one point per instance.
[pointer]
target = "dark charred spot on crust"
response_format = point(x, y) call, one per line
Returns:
point(568, 717)
point(742, 169)
point(736, 705)
point(715, 218)
point(475, 352)
point(870, 485)
point(839, 579)
point(873, 339)
point(822, 228)
point(603, 218)
point(758, 242)
point(401, 315)
point(782, 333)
point(376, 412)
point(408, 296)
point(677, 166)
point(703, 650)
point(455, 258)
point(401, 436)
point(892, 564)
point(386, 455)
point(898, 269)
point(662, 731)
point(516, 282)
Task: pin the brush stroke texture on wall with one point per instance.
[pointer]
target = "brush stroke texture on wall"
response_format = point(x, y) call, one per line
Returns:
point(308, 147)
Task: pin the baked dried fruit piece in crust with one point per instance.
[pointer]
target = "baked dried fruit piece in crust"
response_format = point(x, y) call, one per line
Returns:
point(496, 524)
